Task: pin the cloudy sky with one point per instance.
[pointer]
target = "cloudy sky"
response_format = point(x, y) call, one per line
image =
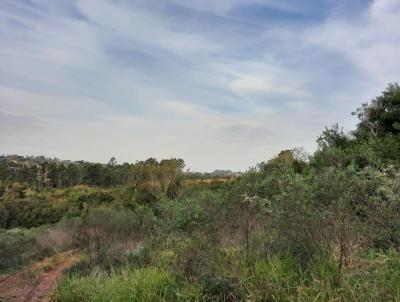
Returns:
point(219, 83)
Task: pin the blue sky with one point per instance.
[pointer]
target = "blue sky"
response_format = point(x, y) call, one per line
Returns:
point(221, 84)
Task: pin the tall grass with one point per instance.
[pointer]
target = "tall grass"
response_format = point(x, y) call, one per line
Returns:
point(372, 276)
point(147, 285)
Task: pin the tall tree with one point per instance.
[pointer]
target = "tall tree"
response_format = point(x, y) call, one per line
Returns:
point(382, 115)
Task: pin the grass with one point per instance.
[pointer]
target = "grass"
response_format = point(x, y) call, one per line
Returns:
point(147, 285)
point(375, 276)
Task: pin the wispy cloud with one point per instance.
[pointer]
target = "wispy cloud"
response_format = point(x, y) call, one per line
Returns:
point(223, 84)
point(265, 84)
point(371, 42)
point(14, 124)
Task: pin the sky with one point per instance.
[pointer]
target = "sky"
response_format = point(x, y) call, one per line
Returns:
point(223, 84)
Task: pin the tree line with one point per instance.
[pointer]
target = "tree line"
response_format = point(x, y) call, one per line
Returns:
point(40, 172)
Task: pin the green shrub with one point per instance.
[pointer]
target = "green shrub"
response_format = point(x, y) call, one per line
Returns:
point(18, 247)
point(221, 289)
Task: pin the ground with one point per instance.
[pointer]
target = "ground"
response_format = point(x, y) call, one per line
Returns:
point(36, 282)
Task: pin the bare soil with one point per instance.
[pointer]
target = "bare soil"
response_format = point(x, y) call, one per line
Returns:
point(36, 282)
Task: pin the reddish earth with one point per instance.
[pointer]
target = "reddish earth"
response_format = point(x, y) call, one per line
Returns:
point(36, 282)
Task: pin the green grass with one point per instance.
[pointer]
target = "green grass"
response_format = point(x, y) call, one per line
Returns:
point(147, 285)
point(372, 276)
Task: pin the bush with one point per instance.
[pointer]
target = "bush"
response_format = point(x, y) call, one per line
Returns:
point(201, 212)
point(109, 236)
point(30, 213)
point(19, 247)
point(221, 289)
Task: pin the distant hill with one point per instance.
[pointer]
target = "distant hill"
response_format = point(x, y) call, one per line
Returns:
point(214, 174)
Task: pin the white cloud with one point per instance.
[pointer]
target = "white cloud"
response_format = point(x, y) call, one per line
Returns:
point(265, 77)
point(140, 25)
point(49, 106)
point(14, 124)
point(182, 109)
point(267, 85)
point(224, 6)
point(134, 82)
point(370, 42)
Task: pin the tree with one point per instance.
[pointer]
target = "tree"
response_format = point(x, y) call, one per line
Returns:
point(3, 169)
point(382, 115)
point(252, 210)
point(72, 175)
point(112, 162)
point(98, 232)
point(93, 174)
point(333, 137)
point(294, 158)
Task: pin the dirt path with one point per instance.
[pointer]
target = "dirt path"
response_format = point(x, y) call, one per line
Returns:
point(34, 283)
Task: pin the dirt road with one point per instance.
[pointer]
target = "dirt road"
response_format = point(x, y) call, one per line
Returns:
point(36, 282)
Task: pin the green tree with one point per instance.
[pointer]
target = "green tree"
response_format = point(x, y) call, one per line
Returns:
point(382, 115)
point(93, 174)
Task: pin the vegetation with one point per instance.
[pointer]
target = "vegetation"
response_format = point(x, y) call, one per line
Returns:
point(324, 227)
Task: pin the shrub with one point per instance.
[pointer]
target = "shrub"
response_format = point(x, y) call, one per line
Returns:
point(221, 289)
point(18, 247)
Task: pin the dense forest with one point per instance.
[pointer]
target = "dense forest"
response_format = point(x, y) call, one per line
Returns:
point(297, 227)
